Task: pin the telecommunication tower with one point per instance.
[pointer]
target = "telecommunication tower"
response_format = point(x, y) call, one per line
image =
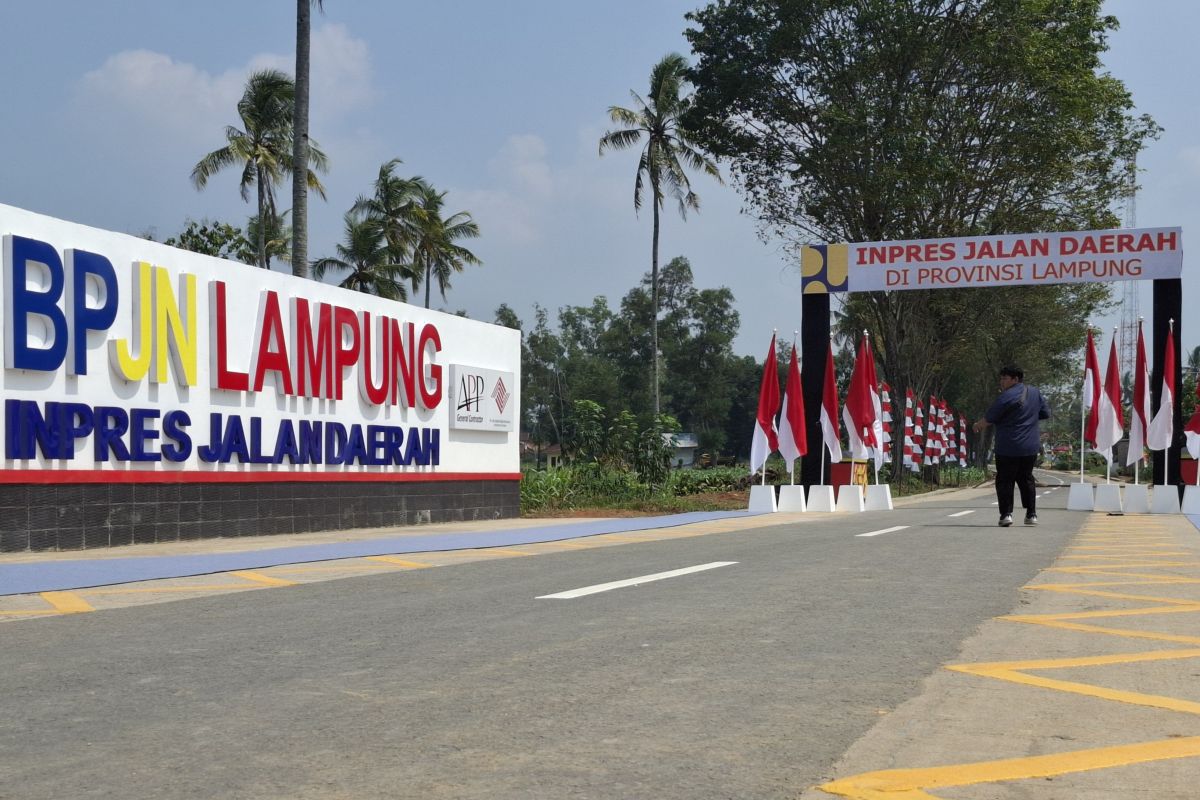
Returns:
point(1130, 289)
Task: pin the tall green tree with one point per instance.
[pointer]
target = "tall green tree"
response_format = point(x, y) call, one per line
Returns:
point(262, 148)
point(668, 148)
point(365, 258)
point(396, 205)
point(869, 120)
point(436, 254)
point(301, 145)
point(218, 239)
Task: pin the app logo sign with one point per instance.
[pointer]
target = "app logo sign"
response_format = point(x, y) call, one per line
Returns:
point(480, 399)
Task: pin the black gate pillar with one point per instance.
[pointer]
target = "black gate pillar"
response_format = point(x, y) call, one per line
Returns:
point(814, 346)
point(1168, 305)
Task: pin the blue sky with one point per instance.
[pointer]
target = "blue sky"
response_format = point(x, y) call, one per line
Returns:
point(109, 106)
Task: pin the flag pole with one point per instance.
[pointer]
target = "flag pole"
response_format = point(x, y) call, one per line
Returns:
point(794, 335)
point(1083, 412)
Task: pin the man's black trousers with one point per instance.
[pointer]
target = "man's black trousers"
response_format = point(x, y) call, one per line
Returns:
point(1018, 470)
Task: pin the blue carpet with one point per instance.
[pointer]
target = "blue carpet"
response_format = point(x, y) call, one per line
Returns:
point(52, 576)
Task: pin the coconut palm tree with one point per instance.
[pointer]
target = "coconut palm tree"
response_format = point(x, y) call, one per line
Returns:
point(668, 148)
point(395, 206)
point(263, 148)
point(435, 254)
point(300, 142)
point(365, 257)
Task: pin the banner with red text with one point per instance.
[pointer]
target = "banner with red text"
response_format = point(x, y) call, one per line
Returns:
point(1028, 259)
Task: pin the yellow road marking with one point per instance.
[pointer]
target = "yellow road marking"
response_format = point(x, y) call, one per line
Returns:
point(502, 551)
point(265, 580)
point(165, 589)
point(907, 784)
point(911, 784)
point(67, 602)
point(399, 562)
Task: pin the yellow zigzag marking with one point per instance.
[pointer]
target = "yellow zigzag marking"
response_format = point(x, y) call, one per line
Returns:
point(910, 784)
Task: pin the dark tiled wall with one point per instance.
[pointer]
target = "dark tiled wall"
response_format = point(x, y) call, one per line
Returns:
point(76, 516)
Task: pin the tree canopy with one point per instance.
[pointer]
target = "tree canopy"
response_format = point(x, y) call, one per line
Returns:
point(870, 120)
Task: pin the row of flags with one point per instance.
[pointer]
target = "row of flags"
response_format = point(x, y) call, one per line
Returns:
point(928, 439)
point(932, 436)
point(1104, 418)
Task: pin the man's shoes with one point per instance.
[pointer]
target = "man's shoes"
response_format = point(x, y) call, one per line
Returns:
point(1006, 520)
point(1031, 519)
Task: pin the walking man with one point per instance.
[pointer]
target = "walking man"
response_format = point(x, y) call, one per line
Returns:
point(1016, 414)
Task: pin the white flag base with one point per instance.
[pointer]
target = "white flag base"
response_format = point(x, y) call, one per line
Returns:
point(1108, 498)
point(879, 497)
point(1137, 499)
point(1081, 497)
point(762, 499)
point(850, 498)
point(1164, 500)
point(1191, 500)
point(820, 498)
point(791, 498)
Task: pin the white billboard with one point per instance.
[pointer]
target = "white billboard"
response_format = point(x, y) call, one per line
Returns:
point(123, 355)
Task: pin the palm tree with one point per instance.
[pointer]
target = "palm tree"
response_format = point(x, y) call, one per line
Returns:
point(434, 252)
point(300, 142)
point(395, 206)
point(1193, 364)
point(277, 237)
point(668, 148)
point(263, 148)
point(365, 255)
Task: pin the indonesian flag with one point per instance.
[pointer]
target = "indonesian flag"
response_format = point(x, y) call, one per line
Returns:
point(830, 434)
point(885, 401)
point(1111, 420)
point(793, 438)
point(933, 445)
point(862, 410)
point(1162, 427)
point(1091, 391)
point(765, 440)
point(962, 440)
point(919, 440)
point(1192, 429)
point(1140, 411)
point(908, 430)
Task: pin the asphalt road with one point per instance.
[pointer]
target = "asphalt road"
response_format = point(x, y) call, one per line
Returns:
point(741, 681)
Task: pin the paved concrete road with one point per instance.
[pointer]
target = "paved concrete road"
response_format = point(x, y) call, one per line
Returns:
point(741, 681)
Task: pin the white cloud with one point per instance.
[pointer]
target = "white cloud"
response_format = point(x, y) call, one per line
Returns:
point(178, 98)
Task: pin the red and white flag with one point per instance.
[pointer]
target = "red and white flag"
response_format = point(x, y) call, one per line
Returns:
point(907, 461)
point(919, 441)
point(1140, 407)
point(793, 435)
point(1192, 429)
point(1111, 419)
point(962, 440)
point(1091, 391)
point(933, 445)
point(885, 405)
point(765, 440)
point(862, 410)
point(1162, 427)
point(830, 433)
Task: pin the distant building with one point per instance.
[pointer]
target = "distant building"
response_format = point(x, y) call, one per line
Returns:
point(685, 448)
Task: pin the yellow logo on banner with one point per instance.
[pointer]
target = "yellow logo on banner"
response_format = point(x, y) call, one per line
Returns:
point(824, 268)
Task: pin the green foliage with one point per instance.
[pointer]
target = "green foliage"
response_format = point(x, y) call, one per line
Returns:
point(697, 481)
point(669, 148)
point(217, 239)
point(262, 149)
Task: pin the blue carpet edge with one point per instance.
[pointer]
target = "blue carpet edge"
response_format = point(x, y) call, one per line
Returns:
point(52, 576)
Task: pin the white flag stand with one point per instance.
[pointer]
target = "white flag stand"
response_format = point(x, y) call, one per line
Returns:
point(1137, 499)
point(850, 499)
point(762, 499)
point(1164, 500)
point(1081, 497)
